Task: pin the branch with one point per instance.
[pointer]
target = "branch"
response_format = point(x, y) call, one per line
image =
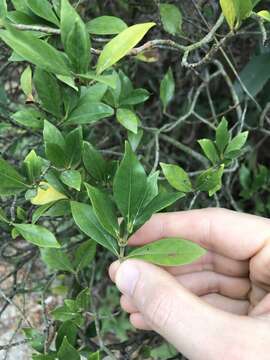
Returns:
point(158, 43)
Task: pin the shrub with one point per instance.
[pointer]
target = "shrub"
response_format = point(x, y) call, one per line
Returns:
point(98, 132)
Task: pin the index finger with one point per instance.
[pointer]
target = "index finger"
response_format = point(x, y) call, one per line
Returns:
point(233, 234)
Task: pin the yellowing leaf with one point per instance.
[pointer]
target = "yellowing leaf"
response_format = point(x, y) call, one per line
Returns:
point(229, 9)
point(47, 194)
point(120, 45)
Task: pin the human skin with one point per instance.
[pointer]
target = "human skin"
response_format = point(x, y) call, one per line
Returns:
point(215, 308)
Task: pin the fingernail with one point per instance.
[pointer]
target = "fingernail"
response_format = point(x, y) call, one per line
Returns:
point(127, 277)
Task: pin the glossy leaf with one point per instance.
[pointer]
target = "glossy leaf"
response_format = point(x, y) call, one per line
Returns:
point(177, 177)
point(33, 165)
point(37, 235)
point(169, 252)
point(88, 113)
point(47, 194)
point(56, 259)
point(55, 145)
point(43, 9)
point(129, 185)
point(75, 38)
point(36, 51)
point(209, 150)
point(11, 182)
point(109, 80)
point(158, 203)
point(49, 92)
point(71, 178)
point(106, 25)
point(104, 209)
point(171, 18)
point(135, 97)
point(88, 223)
point(29, 117)
point(222, 135)
point(265, 14)
point(68, 330)
point(210, 180)
point(128, 119)
point(236, 144)
point(67, 351)
point(119, 46)
point(167, 89)
point(26, 83)
point(93, 93)
point(74, 144)
point(94, 162)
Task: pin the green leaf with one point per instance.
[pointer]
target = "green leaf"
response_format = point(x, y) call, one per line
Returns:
point(128, 119)
point(171, 18)
point(244, 9)
point(169, 252)
point(68, 330)
point(106, 25)
point(222, 135)
point(94, 162)
point(55, 146)
point(265, 14)
point(135, 139)
point(26, 81)
point(135, 97)
point(3, 9)
point(56, 259)
point(49, 92)
point(177, 177)
point(71, 178)
point(33, 164)
point(210, 180)
point(167, 89)
point(11, 182)
point(88, 113)
point(74, 144)
point(209, 150)
point(93, 93)
point(236, 145)
point(129, 185)
point(104, 209)
point(230, 11)
point(83, 300)
point(36, 338)
point(29, 117)
point(254, 76)
point(43, 9)
point(37, 235)
point(84, 255)
point(75, 38)
point(235, 11)
point(160, 202)
point(120, 45)
point(67, 351)
point(36, 51)
point(94, 356)
point(110, 79)
point(65, 313)
point(87, 221)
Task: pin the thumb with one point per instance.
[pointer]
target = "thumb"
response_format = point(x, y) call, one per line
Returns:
point(192, 326)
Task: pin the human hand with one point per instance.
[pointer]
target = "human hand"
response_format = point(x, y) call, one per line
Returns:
point(219, 306)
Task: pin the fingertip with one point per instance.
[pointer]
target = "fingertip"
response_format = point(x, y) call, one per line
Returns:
point(138, 322)
point(127, 305)
point(113, 270)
